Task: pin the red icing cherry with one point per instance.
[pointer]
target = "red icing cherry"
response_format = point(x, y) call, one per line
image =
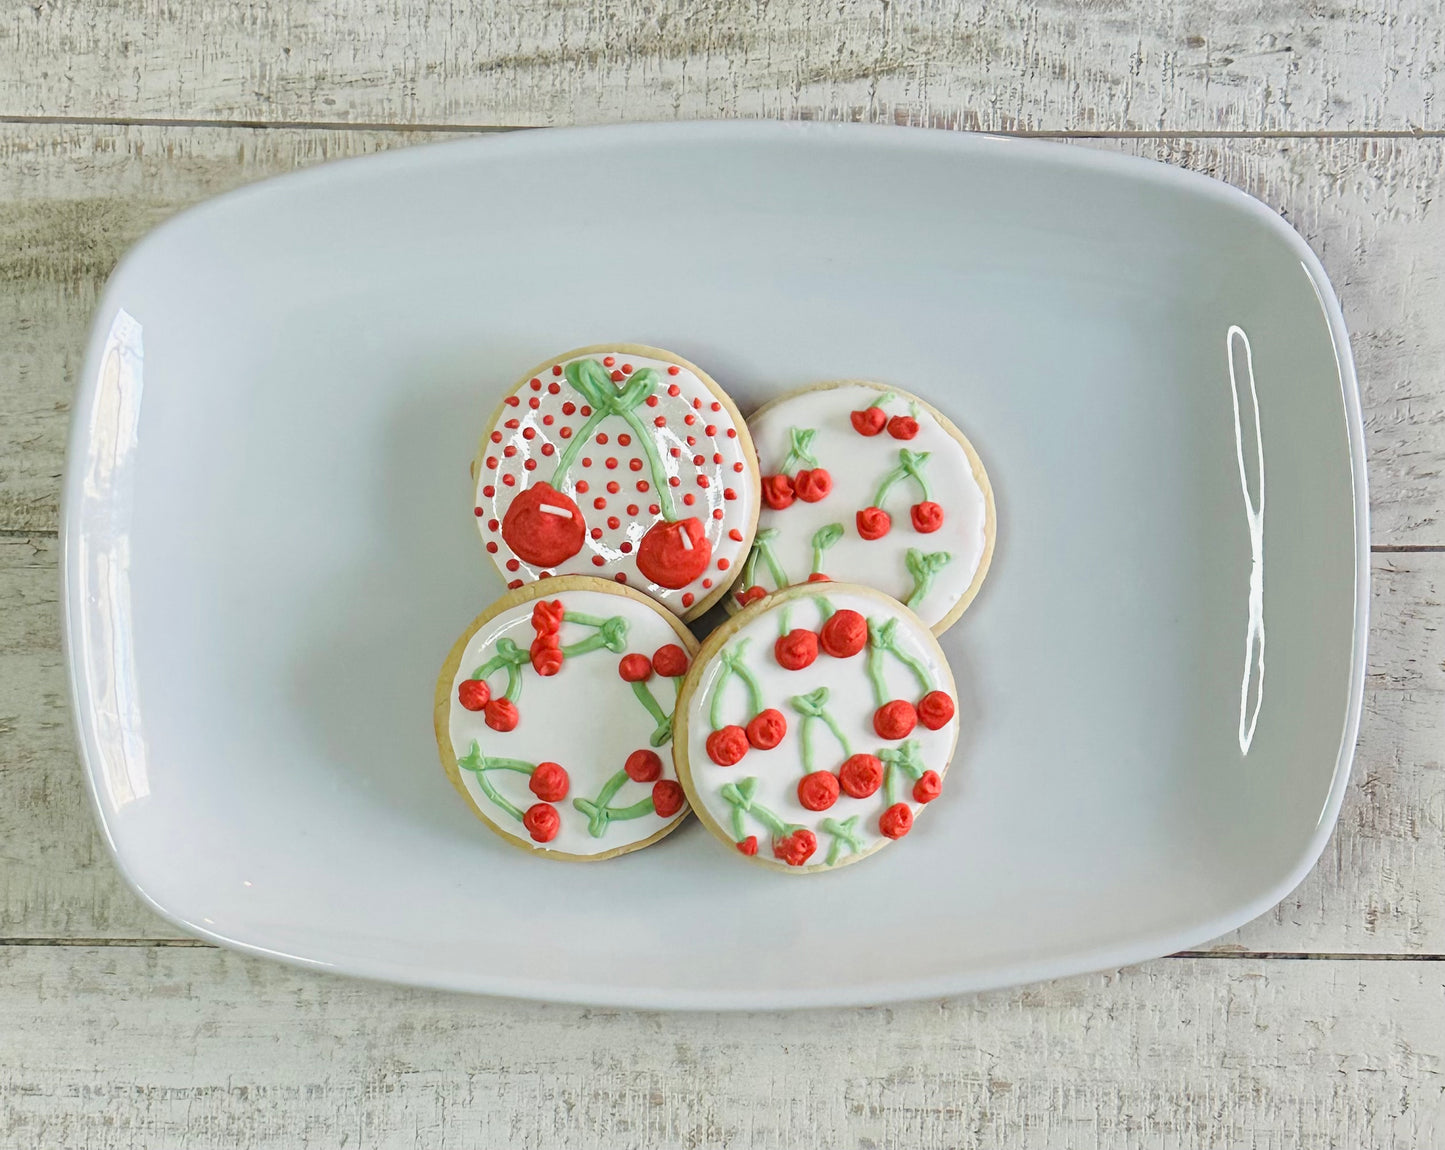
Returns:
point(473, 694)
point(546, 654)
point(844, 634)
point(543, 526)
point(818, 577)
point(935, 709)
point(634, 668)
point(502, 715)
point(726, 746)
point(549, 782)
point(896, 821)
point(777, 491)
point(751, 595)
point(903, 427)
point(874, 523)
point(670, 660)
point(927, 516)
point(861, 775)
point(895, 719)
point(796, 650)
point(547, 617)
point(811, 486)
point(868, 421)
point(667, 797)
point(672, 555)
point(818, 791)
point(766, 730)
point(928, 787)
point(795, 849)
point(542, 822)
point(749, 845)
point(643, 766)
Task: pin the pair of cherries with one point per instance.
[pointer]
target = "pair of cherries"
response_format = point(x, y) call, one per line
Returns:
point(811, 485)
point(870, 421)
point(874, 523)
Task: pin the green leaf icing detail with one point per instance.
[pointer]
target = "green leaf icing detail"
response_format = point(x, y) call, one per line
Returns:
point(610, 633)
point(844, 833)
point(600, 814)
point(900, 761)
point(513, 658)
point(800, 450)
point(739, 796)
point(823, 538)
point(479, 764)
point(923, 568)
point(814, 706)
point(910, 464)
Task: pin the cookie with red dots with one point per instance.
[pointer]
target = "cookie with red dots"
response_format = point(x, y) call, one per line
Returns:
point(816, 726)
point(623, 462)
point(868, 484)
point(554, 718)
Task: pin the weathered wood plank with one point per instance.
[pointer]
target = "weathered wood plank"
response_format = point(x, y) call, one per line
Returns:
point(1141, 65)
point(73, 198)
point(123, 1047)
point(1380, 887)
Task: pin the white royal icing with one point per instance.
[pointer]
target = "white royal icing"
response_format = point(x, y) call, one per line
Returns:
point(850, 701)
point(857, 465)
point(724, 468)
point(585, 718)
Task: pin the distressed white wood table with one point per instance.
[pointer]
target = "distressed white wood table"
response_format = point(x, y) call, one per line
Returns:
point(1320, 1024)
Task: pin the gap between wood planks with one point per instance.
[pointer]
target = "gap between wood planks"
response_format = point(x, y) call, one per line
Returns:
point(483, 129)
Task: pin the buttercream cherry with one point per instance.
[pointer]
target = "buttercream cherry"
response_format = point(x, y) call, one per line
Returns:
point(874, 523)
point(670, 660)
point(749, 845)
point(643, 766)
point(542, 822)
point(869, 421)
point(501, 715)
point(927, 517)
point(844, 634)
point(818, 791)
point(634, 668)
point(727, 745)
point(549, 782)
point(861, 775)
point(778, 492)
point(667, 797)
point(813, 485)
point(751, 595)
point(546, 653)
point(935, 709)
point(928, 787)
point(474, 694)
point(796, 650)
point(896, 821)
point(895, 719)
point(766, 729)
point(672, 555)
point(543, 526)
point(795, 848)
point(903, 427)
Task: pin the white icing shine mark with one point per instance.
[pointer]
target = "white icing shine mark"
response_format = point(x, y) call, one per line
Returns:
point(553, 509)
point(686, 540)
point(1251, 690)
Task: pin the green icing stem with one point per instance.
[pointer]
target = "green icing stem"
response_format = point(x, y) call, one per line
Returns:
point(510, 656)
point(785, 617)
point(910, 464)
point(611, 633)
point(764, 547)
point(750, 568)
point(814, 706)
point(823, 538)
point(479, 765)
point(583, 618)
point(732, 661)
point(662, 718)
point(923, 568)
point(903, 760)
point(600, 814)
point(799, 450)
point(892, 772)
point(844, 833)
point(884, 637)
point(875, 671)
point(824, 606)
point(886, 397)
point(740, 796)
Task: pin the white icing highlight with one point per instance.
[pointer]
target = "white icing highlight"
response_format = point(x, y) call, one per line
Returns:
point(553, 509)
point(685, 539)
point(714, 471)
point(850, 702)
point(585, 717)
point(858, 464)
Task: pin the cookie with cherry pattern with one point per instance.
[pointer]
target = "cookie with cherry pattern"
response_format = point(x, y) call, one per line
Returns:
point(553, 717)
point(624, 462)
point(816, 726)
point(868, 484)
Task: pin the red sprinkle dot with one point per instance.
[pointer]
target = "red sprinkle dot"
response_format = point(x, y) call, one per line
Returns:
point(738, 466)
point(675, 452)
point(556, 369)
point(706, 583)
point(596, 533)
point(514, 584)
point(687, 599)
point(510, 480)
point(492, 524)
point(510, 450)
point(511, 424)
point(512, 401)
point(625, 546)
point(553, 388)
point(654, 509)
point(530, 465)
point(496, 437)
point(673, 370)
point(652, 401)
point(717, 513)
point(548, 449)
point(735, 535)
point(618, 377)
point(492, 547)
point(674, 481)
point(689, 419)
point(598, 561)
point(729, 493)
point(632, 509)
point(715, 406)
point(723, 564)
point(689, 499)
point(697, 404)
point(621, 577)
point(536, 385)
point(612, 462)
point(660, 421)
point(635, 464)
point(710, 429)
point(701, 480)
point(626, 369)
point(608, 360)
point(602, 438)
point(717, 457)
point(534, 403)
point(529, 433)
point(491, 461)
point(673, 389)
point(699, 460)
point(642, 485)
point(599, 503)
point(586, 461)
point(512, 564)
point(586, 410)
point(732, 432)
point(614, 487)
point(489, 490)
point(547, 420)
point(569, 408)
point(613, 522)
point(582, 486)
point(565, 433)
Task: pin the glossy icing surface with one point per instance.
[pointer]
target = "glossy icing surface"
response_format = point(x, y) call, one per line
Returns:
point(586, 717)
point(826, 535)
point(670, 452)
point(830, 706)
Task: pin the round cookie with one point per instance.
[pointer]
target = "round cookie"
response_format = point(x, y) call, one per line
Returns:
point(553, 717)
point(815, 726)
point(868, 484)
point(624, 462)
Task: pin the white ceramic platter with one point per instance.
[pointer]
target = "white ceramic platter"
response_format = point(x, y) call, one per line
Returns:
point(269, 548)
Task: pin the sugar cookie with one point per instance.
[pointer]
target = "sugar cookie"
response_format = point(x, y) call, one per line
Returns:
point(554, 713)
point(815, 726)
point(866, 484)
point(624, 462)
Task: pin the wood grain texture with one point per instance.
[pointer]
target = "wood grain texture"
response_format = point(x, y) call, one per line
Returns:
point(125, 1047)
point(72, 199)
point(1379, 888)
point(1144, 65)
